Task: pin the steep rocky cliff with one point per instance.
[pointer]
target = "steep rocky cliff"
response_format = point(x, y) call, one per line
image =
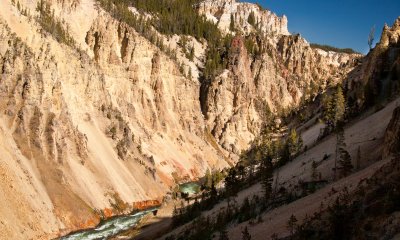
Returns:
point(285, 72)
point(112, 120)
point(231, 16)
point(80, 128)
point(378, 77)
point(392, 135)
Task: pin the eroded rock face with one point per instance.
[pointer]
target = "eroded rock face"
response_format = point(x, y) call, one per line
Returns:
point(392, 135)
point(390, 35)
point(223, 12)
point(287, 73)
point(79, 127)
point(228, 100)
point(118, 118)
point(378, 77)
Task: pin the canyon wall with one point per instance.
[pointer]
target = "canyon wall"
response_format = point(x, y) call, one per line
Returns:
point(80, 128)
point(285, 73)
point(99, 127)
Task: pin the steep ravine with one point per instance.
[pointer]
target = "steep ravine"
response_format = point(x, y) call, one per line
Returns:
point(91, 134)
point(96, 129)
point(288, 73)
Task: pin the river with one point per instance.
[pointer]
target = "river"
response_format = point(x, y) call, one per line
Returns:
point(189, 188)
point(109, 227)
point(116, 225)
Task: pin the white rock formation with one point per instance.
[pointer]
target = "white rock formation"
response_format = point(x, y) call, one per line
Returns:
point(220, 12)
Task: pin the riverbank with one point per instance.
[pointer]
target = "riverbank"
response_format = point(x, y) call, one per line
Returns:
point(114, 220)
point(154, 226)
point(111, 227)
point(151, 227)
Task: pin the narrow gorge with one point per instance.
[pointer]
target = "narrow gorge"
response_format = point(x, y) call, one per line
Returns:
point(101, 117)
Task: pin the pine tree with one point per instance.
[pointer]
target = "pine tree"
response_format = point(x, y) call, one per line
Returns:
point(175, 216)
point(241, 171)
point(339, 144)
point(213, 190)
point(334, 108)
point(274, 236)
point(223, 235)
point(191, 53)
point(346, 167)
point(207, 179)
point(295, 143)
point(251, 19)
point(358, 158)
point(266, 176)
point(339, 105)
point(231, 181)
point(342, 156)
point(190, 75)
point(285, 154)
point(371, 37)
point(314, 172)
point(232, 24)
point(245, 234)
point(328, 110)
point(291, 224)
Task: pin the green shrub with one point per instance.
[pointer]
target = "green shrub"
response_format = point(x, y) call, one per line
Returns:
point(52, 25)
point(174, 17)
point(333, 49)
